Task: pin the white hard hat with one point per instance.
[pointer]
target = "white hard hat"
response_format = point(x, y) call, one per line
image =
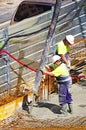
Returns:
point(70, 39)
point(55, 58)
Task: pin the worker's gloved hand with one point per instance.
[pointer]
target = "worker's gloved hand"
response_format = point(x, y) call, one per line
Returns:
point(43, 69)
point(47, 67)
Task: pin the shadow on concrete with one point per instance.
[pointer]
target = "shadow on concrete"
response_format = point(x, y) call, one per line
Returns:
point(53, 107)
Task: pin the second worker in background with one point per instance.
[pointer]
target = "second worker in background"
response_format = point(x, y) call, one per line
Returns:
point(63, 48)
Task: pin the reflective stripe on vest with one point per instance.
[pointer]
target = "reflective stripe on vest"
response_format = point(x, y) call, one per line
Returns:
point(63, 78)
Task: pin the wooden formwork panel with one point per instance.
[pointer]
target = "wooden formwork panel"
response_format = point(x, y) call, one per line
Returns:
point(47, 87)
point(78, 52)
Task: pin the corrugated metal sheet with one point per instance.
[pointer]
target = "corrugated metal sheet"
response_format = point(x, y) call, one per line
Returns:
point(29, 48)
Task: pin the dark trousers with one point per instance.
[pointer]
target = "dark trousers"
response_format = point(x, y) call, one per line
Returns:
point(64, 92)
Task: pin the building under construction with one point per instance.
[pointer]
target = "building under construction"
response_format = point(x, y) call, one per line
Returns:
point(24, 39)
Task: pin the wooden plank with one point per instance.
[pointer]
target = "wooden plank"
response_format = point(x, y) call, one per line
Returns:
point(78, 40)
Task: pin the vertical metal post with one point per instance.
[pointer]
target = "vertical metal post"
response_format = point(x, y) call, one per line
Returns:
point(53, 42)
point(80, 21)
point(7, 59)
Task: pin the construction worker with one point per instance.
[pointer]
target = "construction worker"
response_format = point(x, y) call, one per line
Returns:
point(64, 82)
point(63, 48)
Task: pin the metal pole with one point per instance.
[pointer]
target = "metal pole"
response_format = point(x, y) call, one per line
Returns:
point(53, 42)
point(7, 59)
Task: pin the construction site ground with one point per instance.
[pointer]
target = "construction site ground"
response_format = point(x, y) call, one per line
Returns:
point(45, 114)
